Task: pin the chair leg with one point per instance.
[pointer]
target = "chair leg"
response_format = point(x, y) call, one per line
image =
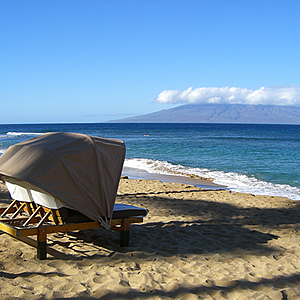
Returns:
point(124, 238)
point(42, 250)
point(124, 233)
point(41, 245)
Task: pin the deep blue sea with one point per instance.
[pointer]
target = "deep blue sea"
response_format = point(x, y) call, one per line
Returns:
point(256, 159)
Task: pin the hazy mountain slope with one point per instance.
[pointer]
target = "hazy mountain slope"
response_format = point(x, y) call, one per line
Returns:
point(221, 113)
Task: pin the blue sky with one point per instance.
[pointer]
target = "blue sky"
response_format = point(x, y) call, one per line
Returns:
point(93, 61)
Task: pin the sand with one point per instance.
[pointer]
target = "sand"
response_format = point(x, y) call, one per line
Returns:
point(194, 244)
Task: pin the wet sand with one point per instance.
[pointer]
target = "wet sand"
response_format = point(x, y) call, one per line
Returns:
point(194, 244)
point(191, 180)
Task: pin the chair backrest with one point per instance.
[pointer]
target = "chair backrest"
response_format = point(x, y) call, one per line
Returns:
point(45, 199)
point(17, 190)
point(24, 191)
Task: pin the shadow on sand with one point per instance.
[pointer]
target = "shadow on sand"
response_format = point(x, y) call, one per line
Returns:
point(209, 228)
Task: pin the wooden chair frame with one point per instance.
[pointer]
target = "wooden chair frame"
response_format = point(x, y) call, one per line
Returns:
point(23, 219)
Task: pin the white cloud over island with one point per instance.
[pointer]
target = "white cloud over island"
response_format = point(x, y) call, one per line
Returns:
point(282, 95)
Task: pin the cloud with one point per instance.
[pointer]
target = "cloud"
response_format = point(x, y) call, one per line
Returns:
point(284, 95)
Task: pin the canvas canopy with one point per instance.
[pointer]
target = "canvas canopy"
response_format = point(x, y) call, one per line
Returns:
point(79, 170)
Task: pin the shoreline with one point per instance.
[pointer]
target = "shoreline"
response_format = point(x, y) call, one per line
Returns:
point(236, 183)
point(197, 181)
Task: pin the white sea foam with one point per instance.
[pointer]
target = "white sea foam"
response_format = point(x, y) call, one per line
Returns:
point(234, 181)
point(22, 133)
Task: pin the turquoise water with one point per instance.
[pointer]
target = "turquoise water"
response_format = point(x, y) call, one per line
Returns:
point(257, 159)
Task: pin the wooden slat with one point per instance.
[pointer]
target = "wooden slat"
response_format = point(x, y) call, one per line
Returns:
point(28, 208)
point(44, 219)
point(19, 210)
point(54, 216)
point(17, 232)
point(32, 216)
point(7, 210)
point(8, 229)
point(20, 220)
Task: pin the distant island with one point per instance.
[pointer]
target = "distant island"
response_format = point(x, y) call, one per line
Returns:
point(221, 113)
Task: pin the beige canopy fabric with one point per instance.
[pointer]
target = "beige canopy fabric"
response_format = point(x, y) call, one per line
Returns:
point(80, 170)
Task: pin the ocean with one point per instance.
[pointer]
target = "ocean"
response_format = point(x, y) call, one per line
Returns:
point(256, 159)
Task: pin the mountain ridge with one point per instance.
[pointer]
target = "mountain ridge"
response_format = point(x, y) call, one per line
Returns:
point(220, 113)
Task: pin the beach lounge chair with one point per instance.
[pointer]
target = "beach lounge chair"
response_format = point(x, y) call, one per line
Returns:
point(62, 182)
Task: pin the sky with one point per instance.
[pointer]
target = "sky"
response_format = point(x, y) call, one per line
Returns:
point(94, 61)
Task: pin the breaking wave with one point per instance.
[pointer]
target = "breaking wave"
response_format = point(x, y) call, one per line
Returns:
point(234, 181)
point(22, 133)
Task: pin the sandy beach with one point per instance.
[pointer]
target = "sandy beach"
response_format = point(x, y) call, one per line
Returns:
point(194, 244)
